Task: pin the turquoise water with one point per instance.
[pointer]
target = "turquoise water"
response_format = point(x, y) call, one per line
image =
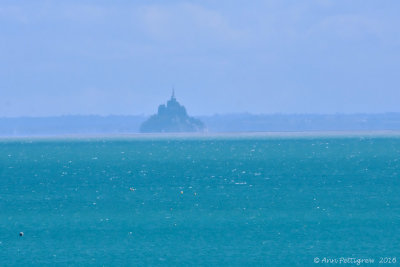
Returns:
point(256, 201)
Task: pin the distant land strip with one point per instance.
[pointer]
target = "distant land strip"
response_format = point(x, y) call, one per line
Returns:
point(118, 124)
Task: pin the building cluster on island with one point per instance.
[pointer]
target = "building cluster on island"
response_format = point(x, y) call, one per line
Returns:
point(171, 118)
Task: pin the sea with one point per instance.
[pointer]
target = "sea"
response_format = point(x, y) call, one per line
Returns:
point(201, 200)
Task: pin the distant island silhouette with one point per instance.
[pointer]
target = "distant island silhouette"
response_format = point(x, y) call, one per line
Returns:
point(172, 118)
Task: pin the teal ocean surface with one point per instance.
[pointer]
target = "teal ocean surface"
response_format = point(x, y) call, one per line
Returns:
point(250, 200)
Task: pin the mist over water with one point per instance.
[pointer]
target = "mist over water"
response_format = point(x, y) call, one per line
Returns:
point(293, 156)
point(259, 200)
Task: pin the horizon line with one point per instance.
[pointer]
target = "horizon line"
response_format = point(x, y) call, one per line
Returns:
point(209, 115)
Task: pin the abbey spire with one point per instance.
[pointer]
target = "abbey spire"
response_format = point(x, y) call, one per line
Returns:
point(173, 94)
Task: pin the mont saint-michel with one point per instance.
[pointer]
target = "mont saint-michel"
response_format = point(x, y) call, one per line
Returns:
point(172, 118)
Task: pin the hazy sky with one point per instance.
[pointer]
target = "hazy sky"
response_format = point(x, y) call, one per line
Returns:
point(123, 57)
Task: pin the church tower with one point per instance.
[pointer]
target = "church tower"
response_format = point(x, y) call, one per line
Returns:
point(173, 94)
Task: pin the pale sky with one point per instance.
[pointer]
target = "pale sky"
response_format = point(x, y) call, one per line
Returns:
point(123, 57)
